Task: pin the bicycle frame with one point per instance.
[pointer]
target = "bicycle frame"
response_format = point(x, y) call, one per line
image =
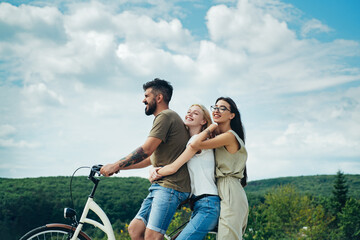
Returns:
point(74, 230)
point(105, 227)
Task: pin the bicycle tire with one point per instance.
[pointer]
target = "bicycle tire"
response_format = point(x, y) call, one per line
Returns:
point(54, 231)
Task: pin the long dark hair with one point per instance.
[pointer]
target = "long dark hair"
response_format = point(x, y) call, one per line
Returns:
point(238, 127)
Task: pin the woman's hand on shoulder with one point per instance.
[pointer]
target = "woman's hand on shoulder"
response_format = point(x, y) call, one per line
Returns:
point(214, 130)
point(196, 144)
point(213, 127)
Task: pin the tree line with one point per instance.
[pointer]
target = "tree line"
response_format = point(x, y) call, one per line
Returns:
point(311, 207)
point(285, 213)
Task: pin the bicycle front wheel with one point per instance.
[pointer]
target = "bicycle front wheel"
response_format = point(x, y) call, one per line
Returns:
point(53, 232)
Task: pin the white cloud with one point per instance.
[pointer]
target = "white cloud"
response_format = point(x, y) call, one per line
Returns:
point(144, 59)
point(310, 137)
point(28, 17)
point(143, 29)
point(247, 28)
point(6, 130)
point(262, 48)
point(24, 22)
point(40, 92)
point(7, 133)
point(314, 26)
point(72, 93)
point(17, 144)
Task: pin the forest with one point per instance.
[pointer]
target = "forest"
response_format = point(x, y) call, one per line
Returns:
point(304, 207)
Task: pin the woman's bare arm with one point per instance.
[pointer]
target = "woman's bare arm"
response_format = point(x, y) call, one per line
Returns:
point(189, 152)
point(178, 163)
point(203, 142)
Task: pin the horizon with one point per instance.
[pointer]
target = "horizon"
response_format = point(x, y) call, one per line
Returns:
point(116, 176)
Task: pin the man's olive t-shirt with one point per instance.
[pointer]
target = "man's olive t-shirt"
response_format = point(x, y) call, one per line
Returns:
point(169, 127)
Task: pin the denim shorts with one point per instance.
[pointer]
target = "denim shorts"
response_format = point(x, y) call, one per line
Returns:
point(203, 219)
point(159, 207)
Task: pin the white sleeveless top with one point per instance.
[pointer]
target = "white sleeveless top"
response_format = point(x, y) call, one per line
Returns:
point(202, 172)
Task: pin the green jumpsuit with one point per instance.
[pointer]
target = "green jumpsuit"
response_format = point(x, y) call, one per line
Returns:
point(234, 204)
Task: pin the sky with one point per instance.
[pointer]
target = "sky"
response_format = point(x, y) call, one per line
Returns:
point(71, 76)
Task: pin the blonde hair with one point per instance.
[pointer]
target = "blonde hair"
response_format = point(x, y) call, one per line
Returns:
point(206, 114)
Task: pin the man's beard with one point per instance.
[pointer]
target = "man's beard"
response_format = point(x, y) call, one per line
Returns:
point(151, 107)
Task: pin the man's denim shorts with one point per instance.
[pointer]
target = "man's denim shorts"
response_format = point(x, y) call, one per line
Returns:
point(159, 207)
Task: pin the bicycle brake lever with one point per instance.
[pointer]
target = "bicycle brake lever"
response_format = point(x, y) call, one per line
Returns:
point(96, 168)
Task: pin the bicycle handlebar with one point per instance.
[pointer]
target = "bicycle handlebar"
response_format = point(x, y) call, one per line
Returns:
point(95, 169)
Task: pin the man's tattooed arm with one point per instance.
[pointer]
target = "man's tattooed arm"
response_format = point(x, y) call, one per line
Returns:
point(133, 158)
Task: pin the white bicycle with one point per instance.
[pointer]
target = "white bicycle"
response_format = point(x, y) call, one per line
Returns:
point(55, 231)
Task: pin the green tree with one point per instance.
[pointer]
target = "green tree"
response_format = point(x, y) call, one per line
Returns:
point(340, 191)
point(349, 220)
point(256, 221)
point(316, 223)
point(286, 214)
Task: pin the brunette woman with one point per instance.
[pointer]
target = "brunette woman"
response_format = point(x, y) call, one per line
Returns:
point(231, 156)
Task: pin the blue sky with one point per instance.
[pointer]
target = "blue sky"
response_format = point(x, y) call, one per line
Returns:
point(71, 75)
point(343, 16)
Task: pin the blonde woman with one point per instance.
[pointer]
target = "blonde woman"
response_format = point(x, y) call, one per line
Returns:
point(201, 166)
point(231, 157)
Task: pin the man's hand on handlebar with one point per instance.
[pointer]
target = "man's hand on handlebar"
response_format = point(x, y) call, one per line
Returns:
point(109, 169)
